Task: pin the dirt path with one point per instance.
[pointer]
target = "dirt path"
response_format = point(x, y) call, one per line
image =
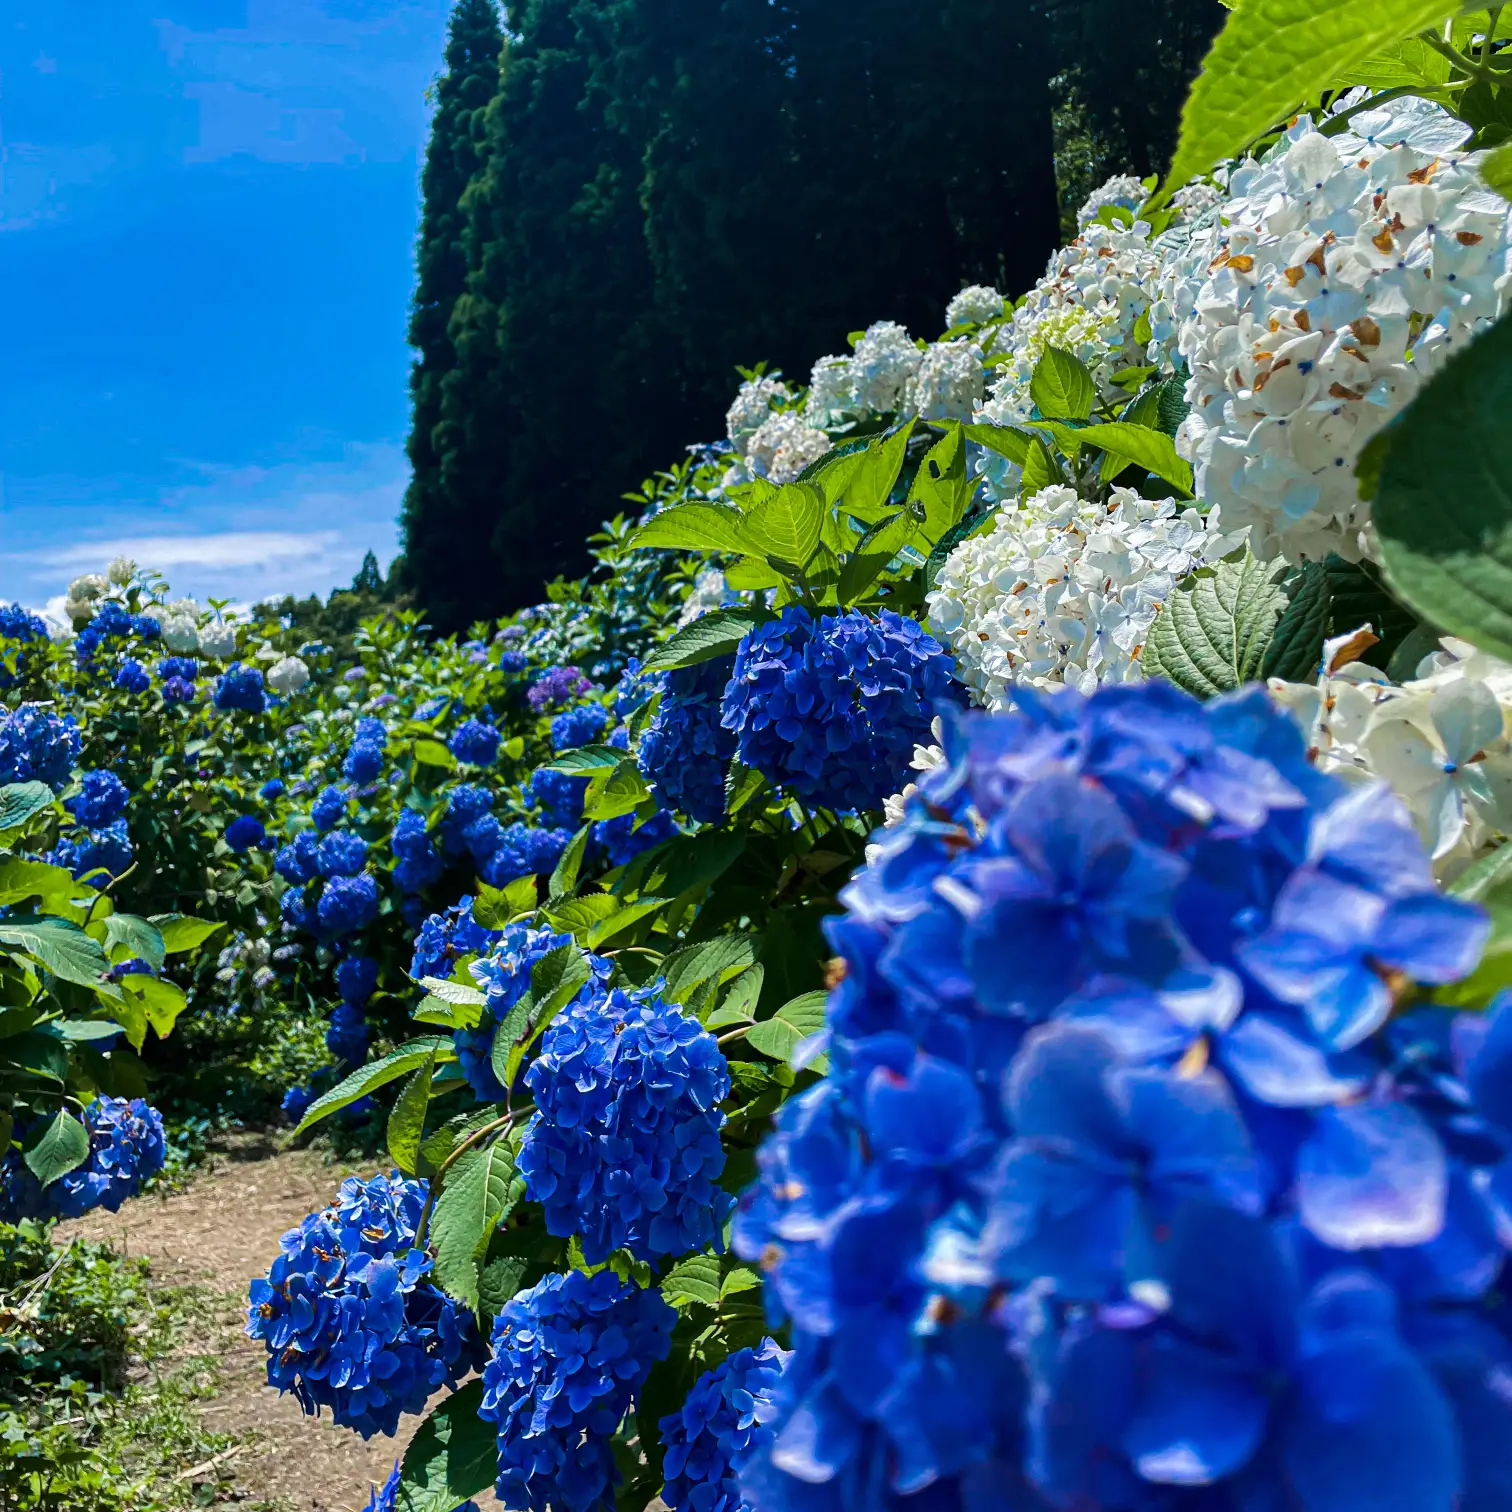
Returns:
point(218, 1233)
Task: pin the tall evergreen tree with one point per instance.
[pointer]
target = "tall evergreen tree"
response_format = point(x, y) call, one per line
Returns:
point(470, 80)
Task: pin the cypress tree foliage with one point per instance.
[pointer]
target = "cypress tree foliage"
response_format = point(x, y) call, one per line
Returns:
point(470, 80)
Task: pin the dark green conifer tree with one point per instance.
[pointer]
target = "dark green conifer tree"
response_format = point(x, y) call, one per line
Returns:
point(470, 80)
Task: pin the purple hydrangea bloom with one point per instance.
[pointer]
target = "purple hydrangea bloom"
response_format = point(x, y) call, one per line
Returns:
point(555, 687)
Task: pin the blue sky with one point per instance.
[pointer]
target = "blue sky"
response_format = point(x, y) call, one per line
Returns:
point(207, 214)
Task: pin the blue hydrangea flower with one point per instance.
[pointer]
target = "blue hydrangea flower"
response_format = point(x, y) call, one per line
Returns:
point(295, 862)
point(329, 808)
point(684, 749)
point(578, 727)
point(349, 1317)
point(466, 805)
point(621, 840)
point(240, 687)
point(504, 976)
point(385, 1498)
point(560, 796)
point(356, 978)
point(475, 743)
point(624, 1147)
point(112, 621)
point(340, 854)
point(513, 662)
point(131, 676)
point(126, 1146)
point(1129, 1185)
point(296, 1102)
point(524, 851)
point(347, 1036)
point(555, 687)
point(417, 864)
point(635, 688)
point(245, 833)
point(568, 1358)
point(346, 905)
point(833, 709)
point(97, 855)
point(177, 669)
point(446, 937)
point(271, 789)
point(363, 763)
point(724, 1420)
point(295, 910)
point(38, 746)
point(101, 800)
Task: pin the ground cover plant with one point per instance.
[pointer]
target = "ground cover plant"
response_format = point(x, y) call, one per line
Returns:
point(965, 965)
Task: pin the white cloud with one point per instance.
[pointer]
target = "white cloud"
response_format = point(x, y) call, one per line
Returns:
point(255, 550)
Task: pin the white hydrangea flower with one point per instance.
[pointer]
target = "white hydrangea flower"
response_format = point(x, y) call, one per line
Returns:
point(218, 639)
point(1340, 276)
point(267, 652)
point(884, 361)
point(121, 571)
point(89, 586)
point(755, 401)
point(1063, 590)
point(973, 306)
point(782, 446)
point(1335, 712)
point(1194, 200)
point(949, 383)
point(287, 676)
point(1122, 190)
point(1088, 303)
point(710, 591)
point(180, 633)
point(832, 392)
point(926, 758)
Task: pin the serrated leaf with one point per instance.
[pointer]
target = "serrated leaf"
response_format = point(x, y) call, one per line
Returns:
point(710, 636)
point(942, 485)
point(140, 938)
point(375, 1074)
point(180, 932)
point(63, 948)
point(695, 1279)
point(38, 1054)
point(474, 1197)
point(1296, 649)
point(1150, 449)
point(62, 1147)
point(454, 1455)
point(739, 1006)
point(434, 753)
point(555, 980)
point(161, 1001)
point(1062, 386)
point(564, 876)
point(494, 907)
point(1213, 632)
point(450, 990)
point(586, 760)
point(870, 486)
point(22, 877)
point(787, 523)
point(21, 802)
point(871, 554)
point(577, 916)
point(695, 527)
point(406, 1121)
point(1273, 56)
point(1002, 439)
point(1444, 511)
point(780, 1035)
point(741, 785)
point(690, 968)
point(499, 1280)
point(623, 793)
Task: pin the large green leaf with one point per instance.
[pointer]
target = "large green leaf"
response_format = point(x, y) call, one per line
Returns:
point(1273, 56)
point(695, 1279)
point(63, 948)
point(1444, 510)
point(162, 1001)
point(1152, 450)
point(692, 967)
point(63, 1146)
point(454, 1455)
point(37, 1054)
point(711, 635)
point(1062, 386)
point(555, 980)
point(22, 877)
point(584, 761)
point(786, 524)
point(780, 1035)
point(140, 938)
point(181, 933)
point(1213, 632)
point(375, 1074)
point(623, 793)
point(1497, 170)
point(943, 486)
point(474, 1197)
point(406, 1120)
point(20, 802)
point(870, 485)
point(1297, 645)
point(871, 554)
point(695, 527)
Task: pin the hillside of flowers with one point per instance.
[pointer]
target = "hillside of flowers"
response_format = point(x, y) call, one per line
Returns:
point(966, 966)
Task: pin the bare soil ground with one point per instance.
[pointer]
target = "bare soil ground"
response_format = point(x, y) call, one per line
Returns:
point(216, 1235)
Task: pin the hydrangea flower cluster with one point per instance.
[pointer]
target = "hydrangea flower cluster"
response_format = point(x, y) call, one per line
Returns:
point(113, 621)
point(346, 905)
point(94, 856)
point(578, 727)
point(130, 677)
point(710, 591)
point(385, 1498)
point(622, 839)
point(329, 808)
point(524, 851)
point(176, 675)
point(1089, 303)
point(101, 799)
point(950, 382)
point(1124, 191)
point(126, 1146)
point(782, 446)
point(240, 687)
point(347, 1035)
point(475, 743)
point(1343, 272)
point(568, 1358)
point(244, 833)
point(974, 305)
point(38, 746)
point(417, 865)
point(724, 1420)
point(349, 1318)
point(340, 854)
point(624, 1147)
point(753, 403)
point(446, 937)
point(684, 748)
point(364, 758)
point(295, 862)
point(1118, 1002)
point(1065, 590)
point(18, 626)
point(288, 675)
point(504, 976)
point(559, 796)
point(556, 687)
point(833, 708)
